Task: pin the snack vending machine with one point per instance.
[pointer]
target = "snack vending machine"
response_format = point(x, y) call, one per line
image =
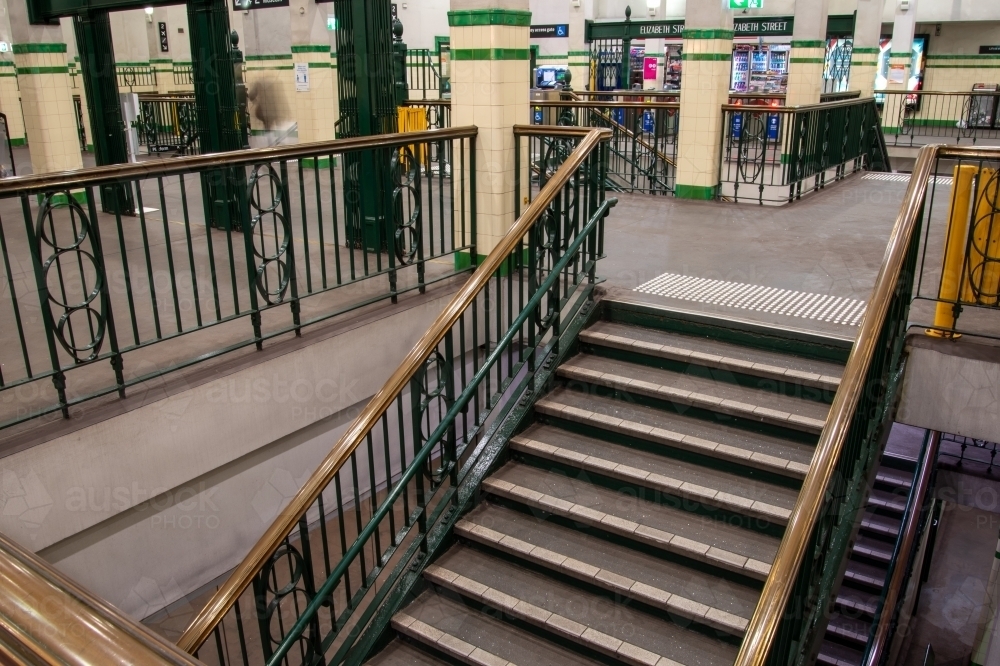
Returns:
point(741, 69)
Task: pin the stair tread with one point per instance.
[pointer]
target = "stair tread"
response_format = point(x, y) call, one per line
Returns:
point(670, 528)
point(863, 573)
point(849, 628)
point(834, 654)
point(873, 548)
point(401, 653)
point(668, 585)
point(677, 477)
point(858, 600)
point(707, 437)
point(885, 500)
point(894, 477)
point(881, 525)
point(459, 630)
point(593, 621)
point(699, 390)
point(718, 353)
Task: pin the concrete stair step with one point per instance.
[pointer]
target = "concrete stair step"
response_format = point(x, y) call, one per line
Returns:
point(668, 528)
point(715, 440)
point(857, 603)
point(475, 638)
point(595, 623)
point(877, 550)
point(886, 501)
point(893, 478)
point(678, 478)
point(682, 591)
point(717, 354)
point(866, 576)
point(401, 653)
point(699, 391)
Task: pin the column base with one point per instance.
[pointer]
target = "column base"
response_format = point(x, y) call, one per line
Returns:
point(696, 192)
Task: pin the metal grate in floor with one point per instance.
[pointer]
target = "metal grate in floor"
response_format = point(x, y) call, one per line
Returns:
point(819, 307)
point(905, 178)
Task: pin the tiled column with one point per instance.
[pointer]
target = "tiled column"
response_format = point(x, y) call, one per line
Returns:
point(864, 57)
point(900, 55)
point(805, 60)
point(270, 74)
point(579, 50)
point(489, 89)
point(10, 102)
point(315, 110)
point(46, 94)
point(708, 54)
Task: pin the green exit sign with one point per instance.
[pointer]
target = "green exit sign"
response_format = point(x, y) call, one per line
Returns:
point(746, 4)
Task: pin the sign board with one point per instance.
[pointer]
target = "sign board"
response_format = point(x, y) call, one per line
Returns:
point(164, 46)
point(746, 4)
point(994, 49)
point(649, 69)
point(763, 26)
point(331, 22)
point(897, 73)
point(4, 47)
point(242, 5)
point(394, 11)
point(544, 31)
point(301, 77)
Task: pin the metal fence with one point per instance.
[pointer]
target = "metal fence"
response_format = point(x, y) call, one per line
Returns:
point(920, 118)
point(168, 124)
point(135, 76)
point(183, 74)
point(81, 129)
point(422, 75)
point(958, 281)
point(776, 154)
point(97, 304)
point(643, 146)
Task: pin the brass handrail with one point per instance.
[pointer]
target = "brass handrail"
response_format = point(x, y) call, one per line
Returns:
point(45, 618)
point(763, 627)
point(72, 180)
point(224, 598)
point(821, 106)
point(901, 558)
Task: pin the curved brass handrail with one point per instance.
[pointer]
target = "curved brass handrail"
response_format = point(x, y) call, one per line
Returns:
point(45, 618)
point(763, 627)
point(224, 598)
point(73, 180)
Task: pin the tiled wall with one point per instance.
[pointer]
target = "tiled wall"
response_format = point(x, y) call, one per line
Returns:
point(315, 110)
point(46, 98)
point(805, 73)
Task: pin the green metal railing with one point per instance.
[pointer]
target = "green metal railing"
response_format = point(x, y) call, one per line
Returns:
point(168, 124)
point(135, 76)
point(422, 75)
point(922, 117)
point(775, 154)
point(91, 301)
point(183, 74)
point(324, 580)
point(643, 146)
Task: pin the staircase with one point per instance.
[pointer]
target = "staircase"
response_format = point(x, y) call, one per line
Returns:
point(635, 519)
point(868, 564)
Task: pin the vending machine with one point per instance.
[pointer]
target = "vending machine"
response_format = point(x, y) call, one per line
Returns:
point(983, 108)
point(672, 71)
point(741, 69)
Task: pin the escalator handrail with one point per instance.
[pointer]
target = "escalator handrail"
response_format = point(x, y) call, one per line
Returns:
point(769, 614)
point(227, 594)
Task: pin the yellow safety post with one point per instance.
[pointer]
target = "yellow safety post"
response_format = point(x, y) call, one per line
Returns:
point(954, 252)
point(983, 282)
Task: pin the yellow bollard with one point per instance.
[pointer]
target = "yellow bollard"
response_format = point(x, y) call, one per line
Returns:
point(983, 281)
point(954, 253)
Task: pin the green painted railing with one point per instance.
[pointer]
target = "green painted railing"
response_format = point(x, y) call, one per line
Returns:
point(322, 583)
point(96, 303)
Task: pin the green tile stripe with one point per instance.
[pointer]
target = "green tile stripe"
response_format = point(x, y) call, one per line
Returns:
point(904, 54)
point(320, 65)
point(807, 61)
point(808, 44)
point(864, 63)
point(310, 48)
point(7, 63)
point(707, 33)
point(984, 56)
point(714, 57)
point(19, 142)
point(580, 53)
point(272, 68)
point(470, 17)
point(160, 61)
point(866, 49)
point(276, 56)
point(564, 56)
point(490, 54)
point(125, 63)
point(42, 70)
point(39, 48)
point(698, 192)
point(979, 66)
point(10, 74)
